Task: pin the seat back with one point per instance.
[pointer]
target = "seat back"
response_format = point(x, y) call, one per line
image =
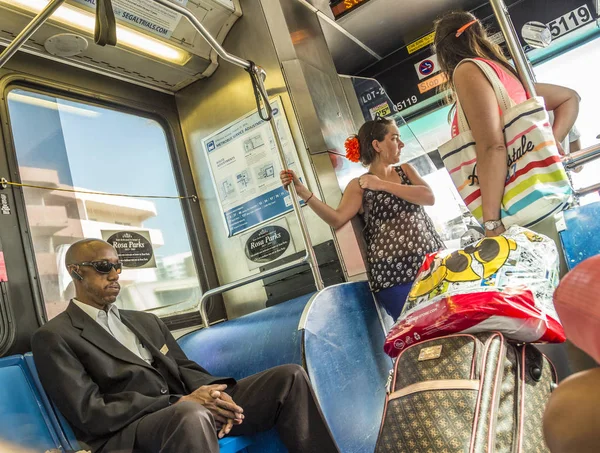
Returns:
point(579, 238)
point(343, 350)
point(250, 344)
point(24, 420)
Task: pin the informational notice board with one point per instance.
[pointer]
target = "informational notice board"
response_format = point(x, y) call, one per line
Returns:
point(245, 166)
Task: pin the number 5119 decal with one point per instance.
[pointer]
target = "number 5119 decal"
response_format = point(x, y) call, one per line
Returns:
point(570, 21)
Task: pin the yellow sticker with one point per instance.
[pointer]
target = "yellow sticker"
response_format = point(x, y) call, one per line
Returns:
point(164, 349)
point(433, 352)
point(380, 110)
point(425, 41)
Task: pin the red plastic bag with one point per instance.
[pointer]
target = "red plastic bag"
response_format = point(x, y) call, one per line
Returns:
point(500, 284)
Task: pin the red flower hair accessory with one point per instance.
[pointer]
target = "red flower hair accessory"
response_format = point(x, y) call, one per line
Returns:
point(352, 149)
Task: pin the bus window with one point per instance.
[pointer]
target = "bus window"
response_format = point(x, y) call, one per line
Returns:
point(570, 69)
point(66, 145)
point(422, 136)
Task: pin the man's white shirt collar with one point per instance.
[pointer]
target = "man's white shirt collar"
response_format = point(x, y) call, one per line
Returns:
point(93, 311)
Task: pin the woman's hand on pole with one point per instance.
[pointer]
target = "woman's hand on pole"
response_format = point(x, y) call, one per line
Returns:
point(287, 177)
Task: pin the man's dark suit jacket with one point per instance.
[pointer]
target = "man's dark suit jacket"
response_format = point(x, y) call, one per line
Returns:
point(100, 386)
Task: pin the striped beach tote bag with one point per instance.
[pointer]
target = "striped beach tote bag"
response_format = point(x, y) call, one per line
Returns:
point(536, 183)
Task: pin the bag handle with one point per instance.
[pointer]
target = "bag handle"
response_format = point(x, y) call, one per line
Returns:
point(504, 100)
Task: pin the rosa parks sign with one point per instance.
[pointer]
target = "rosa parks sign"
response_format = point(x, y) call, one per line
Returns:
point(267, 244)
point(133, 247)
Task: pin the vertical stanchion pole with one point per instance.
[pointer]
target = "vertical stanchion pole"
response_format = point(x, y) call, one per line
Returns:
point(312, 257)
point(512, 41)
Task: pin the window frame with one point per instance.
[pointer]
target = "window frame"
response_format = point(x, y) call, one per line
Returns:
point(193, 221)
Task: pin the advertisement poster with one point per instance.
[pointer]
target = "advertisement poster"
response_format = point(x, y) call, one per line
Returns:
point(145, 14)
point(134, 248)
point(244, 165)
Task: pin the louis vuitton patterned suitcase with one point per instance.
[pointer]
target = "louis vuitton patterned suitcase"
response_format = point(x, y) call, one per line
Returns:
point(467, 394)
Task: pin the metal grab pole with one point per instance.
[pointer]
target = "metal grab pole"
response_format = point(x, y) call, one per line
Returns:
point(29, 30)
point(512, 40)
point(312, 260)
point(244, 281)
point(310, 251)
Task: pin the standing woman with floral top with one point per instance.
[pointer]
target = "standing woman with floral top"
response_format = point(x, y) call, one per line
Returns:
point(390, 198)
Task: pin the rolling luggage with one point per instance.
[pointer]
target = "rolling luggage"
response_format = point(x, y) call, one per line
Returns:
point(467, 394)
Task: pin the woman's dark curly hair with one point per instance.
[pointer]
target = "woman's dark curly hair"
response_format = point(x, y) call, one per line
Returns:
point(372, 130)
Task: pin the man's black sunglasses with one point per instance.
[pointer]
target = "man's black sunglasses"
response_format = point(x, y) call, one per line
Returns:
point(103, 267)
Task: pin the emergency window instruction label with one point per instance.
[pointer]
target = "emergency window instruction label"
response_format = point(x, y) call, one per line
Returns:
point(570, 21)
point(144, 14)
point(421, 43)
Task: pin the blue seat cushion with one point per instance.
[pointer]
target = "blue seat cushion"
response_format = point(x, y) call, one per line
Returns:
point(234, 444)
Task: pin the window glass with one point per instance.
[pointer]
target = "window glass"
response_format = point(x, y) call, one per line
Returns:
point(64, 144)
point(568, 69)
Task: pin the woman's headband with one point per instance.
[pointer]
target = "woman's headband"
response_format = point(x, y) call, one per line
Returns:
point(462, 29)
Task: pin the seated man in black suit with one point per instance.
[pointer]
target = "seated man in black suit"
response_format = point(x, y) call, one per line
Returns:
point(122, 381)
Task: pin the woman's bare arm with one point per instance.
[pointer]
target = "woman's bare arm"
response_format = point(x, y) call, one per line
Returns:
point(336, 218)
point(480, 105)
point(564, 102)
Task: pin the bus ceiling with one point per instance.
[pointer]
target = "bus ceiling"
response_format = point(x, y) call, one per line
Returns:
point(157, 47)
point(165, 52)
point(383, 26)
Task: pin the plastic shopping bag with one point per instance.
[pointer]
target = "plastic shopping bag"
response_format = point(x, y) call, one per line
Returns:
point(503, 284)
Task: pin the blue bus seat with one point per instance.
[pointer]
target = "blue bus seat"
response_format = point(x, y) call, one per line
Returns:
point(234, 444)
point(343, 349)
point(61, 425)
point(250, 344)
point(336, 333)
point(580, 240)
point(23, 417)
point(66, 436)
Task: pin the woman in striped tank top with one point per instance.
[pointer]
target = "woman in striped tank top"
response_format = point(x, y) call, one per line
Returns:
point(459, 36)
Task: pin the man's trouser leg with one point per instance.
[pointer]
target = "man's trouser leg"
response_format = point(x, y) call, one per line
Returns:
point(282, 397)
point(184, 427)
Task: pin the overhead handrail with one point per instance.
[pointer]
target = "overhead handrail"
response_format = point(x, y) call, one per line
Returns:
point(245, 281)
point(29, 30)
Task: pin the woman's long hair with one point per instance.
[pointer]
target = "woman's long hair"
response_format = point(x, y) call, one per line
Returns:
point(474, 42)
